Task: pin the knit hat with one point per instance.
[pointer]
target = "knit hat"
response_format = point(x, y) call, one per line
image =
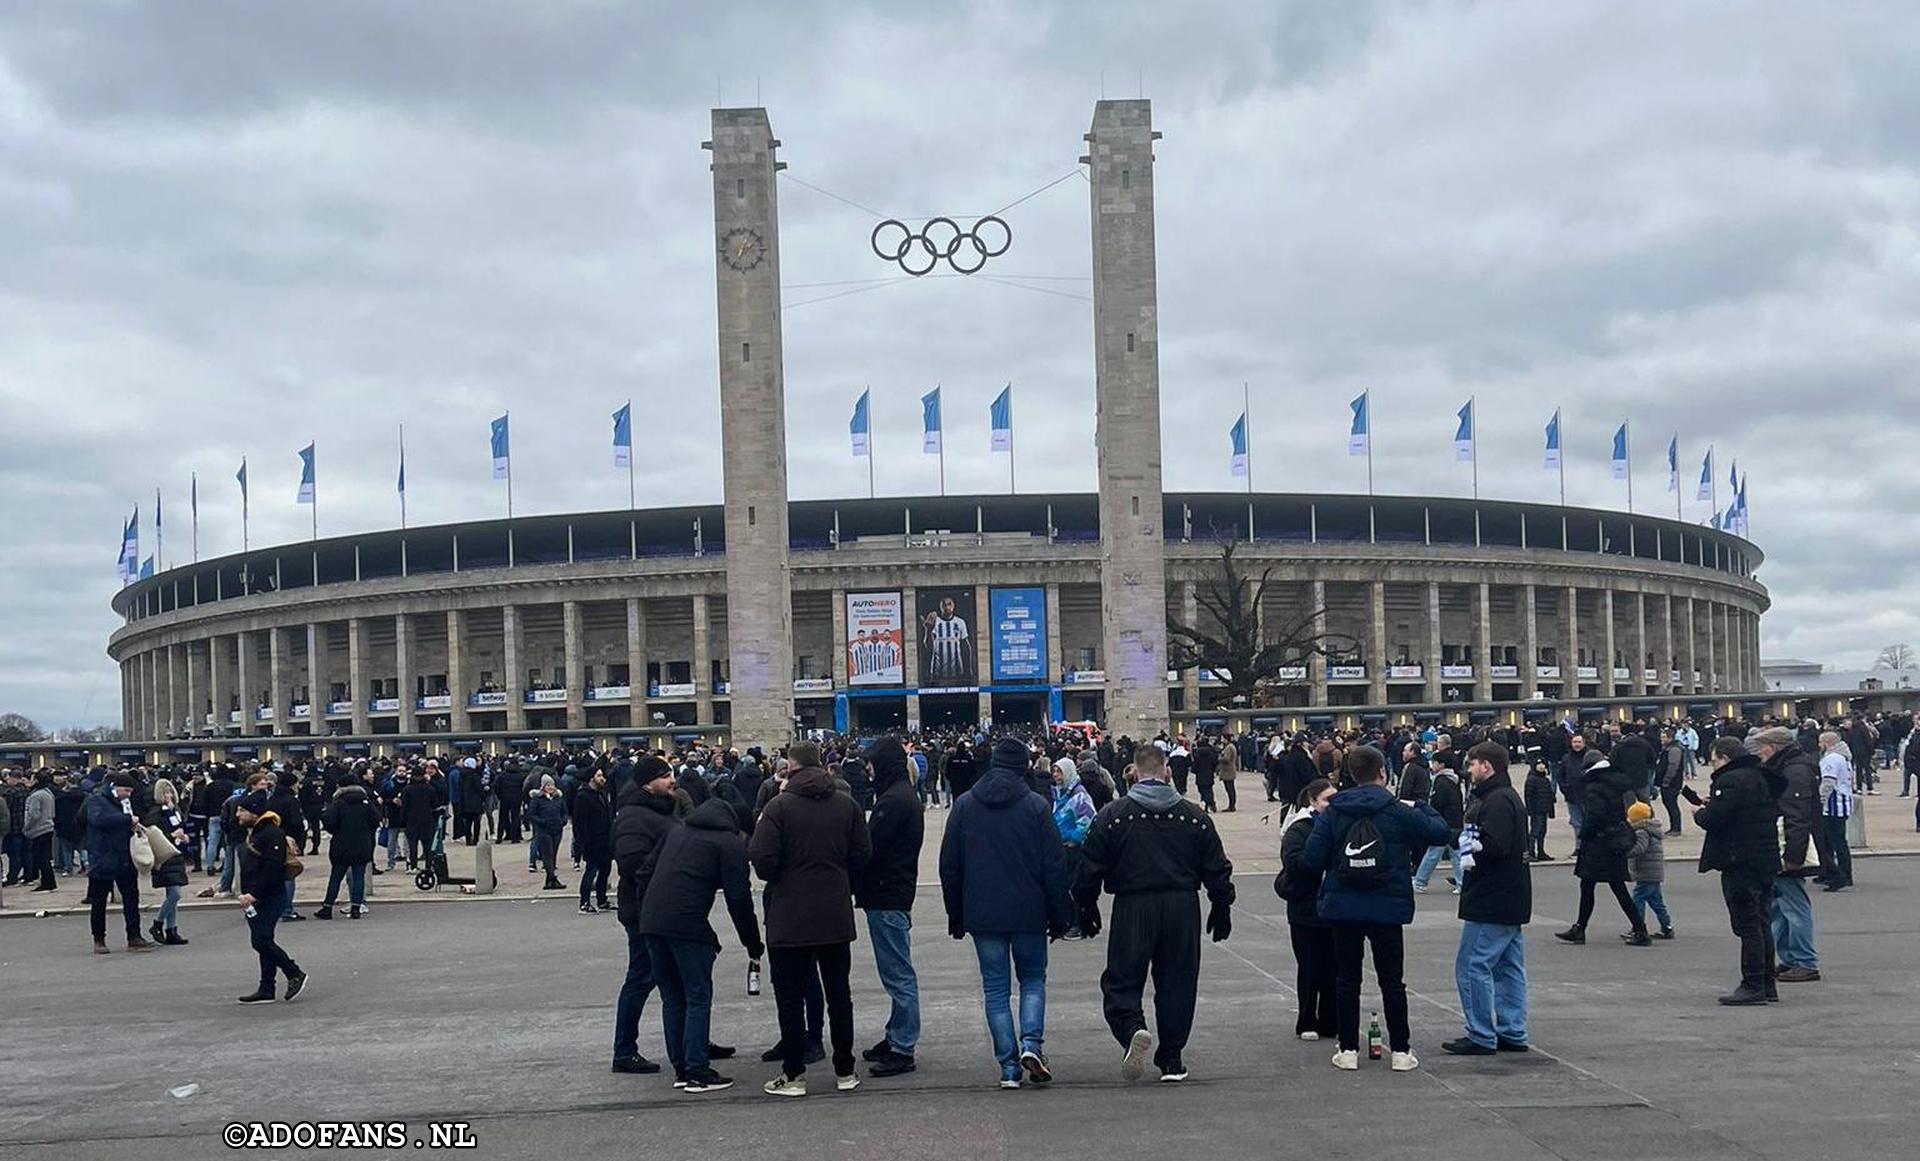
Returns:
point(1009, 754)
point(127, 779)
point(254, 802)
point(1639, 812)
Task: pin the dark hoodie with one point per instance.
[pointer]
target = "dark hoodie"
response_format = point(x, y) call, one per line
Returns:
point(642, 824)
point(1499, 888)
point(1151, 840)
point(1002, 869)
point(703, 856)
point(810, 842)
point(897, 828)
point(1402, 828)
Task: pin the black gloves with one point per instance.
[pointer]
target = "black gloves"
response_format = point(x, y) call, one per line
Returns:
point(757, 951)
point(1056, 932)
point(957, 928)
point(1090, 920)
point(1220, 922)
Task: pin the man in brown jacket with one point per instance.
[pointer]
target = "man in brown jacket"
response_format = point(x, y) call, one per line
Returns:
point(810, 843)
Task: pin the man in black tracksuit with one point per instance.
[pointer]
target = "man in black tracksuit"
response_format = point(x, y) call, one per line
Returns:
point(646, 815)
point(1152, 849)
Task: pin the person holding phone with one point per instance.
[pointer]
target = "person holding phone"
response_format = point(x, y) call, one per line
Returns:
point(1743, 845)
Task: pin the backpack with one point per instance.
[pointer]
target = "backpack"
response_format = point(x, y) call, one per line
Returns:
point(1360, 861)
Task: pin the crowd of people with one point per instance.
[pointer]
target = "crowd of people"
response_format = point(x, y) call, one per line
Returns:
point(1041, 832)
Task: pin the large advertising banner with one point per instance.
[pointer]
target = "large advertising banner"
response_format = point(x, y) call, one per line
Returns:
point(1019, 634)
point(875, 647)
point(947, 623)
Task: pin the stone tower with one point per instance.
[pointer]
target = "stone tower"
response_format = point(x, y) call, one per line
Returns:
point(1126, 348)
point(753, 426)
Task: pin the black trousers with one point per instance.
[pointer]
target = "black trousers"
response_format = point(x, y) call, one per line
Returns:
point(1749, 897)
point(1157, 933)
point(1620, 894)
point(1233, 796)
point(1842, 854)
point(1389, 967)
point(260, 935)
point(593, 878)
point(43, 859)
point(509, 828)
point(1313, 978)
point(127, 882)
point(1205, 784)
point(791, 967)
point(419, 842)
point(1671, 800)
point(549, 851)
point(1539, 833)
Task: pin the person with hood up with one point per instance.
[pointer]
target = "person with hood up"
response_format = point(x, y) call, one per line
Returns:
point(1496, 904)
point(810, 843)
point(696, 860)
point(1073, 812)
point(1743, 844)
point(352, 819)
point(263, 884)
point(1605, 841)
point(1003, 879)
point(641, 825)
point(897, 829)
point(109, 821)
point(1361, 845)
point(1152, 849)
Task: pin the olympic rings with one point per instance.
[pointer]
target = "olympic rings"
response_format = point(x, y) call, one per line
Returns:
point(941, 239)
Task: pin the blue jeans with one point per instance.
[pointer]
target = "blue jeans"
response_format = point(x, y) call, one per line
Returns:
point(1650, 895)
point(1028, 955)
point(229, 864)
point(356, 876)
point(891, 932)
point(215, 844)
point(634, 991)
point(1490, 972)
point(1432, 860)
point(684, 971)
point(288, 909)
point(1793, 923)
point(167, 918)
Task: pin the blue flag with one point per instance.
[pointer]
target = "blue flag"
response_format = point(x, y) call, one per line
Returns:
point(1463, 435)
point(241, 476)
point(129, 547)
point(146, 568)
point(1000, 421)
point(400, 484)
point(930, 423)
point(623, 437)
point(1238, 434)
point(1706, 477)
point(858, 428)
point(306, 476)
point(1552, 459)
point(159, 533)
point(1620, 453)
point(1360, 433)
point(1673, 465)
point(502, 458)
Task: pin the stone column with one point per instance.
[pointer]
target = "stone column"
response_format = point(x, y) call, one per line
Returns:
point(174, 690)
point(156, 694)
point(1669, 660)
point(1640, 644)
point(1377, 645)
point(143, 701)
point(576, 665)
point(318, 678)
point(196, 689)
point(127, 726)
point(244, 678)
point(359, 694)
point(1317, 664)
point(1529, 641)
point(1612, 645)
point(516, 678)
point(403, 673)
point(219, 682)
point(1126, 336)
point(753, 430)
point(983, 647)
point(1711, 677)
point(277, 668)
point(1692, 655)
point(910, 660)
point(1483, 642)
point(1570, 664)
point(838, 662)
point(637, 663)
point(1190, 613)
point(459, 685)
point(1056, 664)
point(703, 661)
point(1435, 693)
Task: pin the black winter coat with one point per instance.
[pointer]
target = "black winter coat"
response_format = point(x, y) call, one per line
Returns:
point(896, 829)
point(810, 843)
point(1416, 782)
point(1605, 837)
point(593, 824)
point(1499, 888)
point(704, 856)
point(1540, 801)
point(639, 828)
point(1303, 881)
point(263, 862)
point(420, 803)
point(351, 819)
point(1796, 777)
point(1447, 800)
point(1739, 817)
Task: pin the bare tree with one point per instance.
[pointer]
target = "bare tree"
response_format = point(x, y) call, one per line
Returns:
point(1251, 659)
point(19, 728)
point(1895, 657)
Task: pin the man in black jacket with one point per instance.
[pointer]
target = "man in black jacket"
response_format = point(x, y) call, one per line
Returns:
point(263, 885)
point(1496, 903)
point(1153, 849)
point(1794, 776)
point(884, 891)
point(645, 818)
point(1743, 845)
point(593, 838)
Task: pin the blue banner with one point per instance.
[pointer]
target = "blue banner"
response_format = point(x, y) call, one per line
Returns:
point(1019, 634)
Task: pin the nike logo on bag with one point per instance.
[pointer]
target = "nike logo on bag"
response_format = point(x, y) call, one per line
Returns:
point(1353, 851)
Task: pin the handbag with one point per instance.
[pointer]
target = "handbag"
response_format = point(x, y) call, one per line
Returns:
point(162, 847)
point(141, 849)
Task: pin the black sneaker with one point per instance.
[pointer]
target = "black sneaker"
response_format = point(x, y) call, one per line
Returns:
point(679, 1078)
point(1510, 1046)
point(323, 913)
point(588, 909)
point(1466, 1046)
point(1639, 939)
point(893, 1064)
point(1664, 933)
point(1173, 1071)
point(295, 985)
point(1574, 935)
point(707, 1080)
point(635, 1065)
point(262, 996)
point(719, 1051)
point(878, 1052)
point(1744, 997)
point(1036, 1066)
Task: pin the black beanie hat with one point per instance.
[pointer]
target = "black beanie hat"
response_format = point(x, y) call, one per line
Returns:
point(1010, 754)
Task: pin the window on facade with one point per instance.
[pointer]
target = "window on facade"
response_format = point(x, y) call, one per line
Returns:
point(617, 674)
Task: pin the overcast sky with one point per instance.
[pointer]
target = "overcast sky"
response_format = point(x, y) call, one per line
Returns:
point(227, 228)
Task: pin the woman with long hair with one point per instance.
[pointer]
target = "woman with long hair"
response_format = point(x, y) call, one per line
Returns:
point(170, 876)
point(1312, 939)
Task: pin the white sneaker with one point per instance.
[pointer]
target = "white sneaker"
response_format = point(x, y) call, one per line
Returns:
point(1139, 1050)
point(786, 1086)
point(1456, 890)
point(1405, 1062)
point(1309, 1036)
point(847, 1083)
point(1347, 1060)
point(1420, 888)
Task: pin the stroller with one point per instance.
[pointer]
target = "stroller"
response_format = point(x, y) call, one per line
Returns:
point(435, 872)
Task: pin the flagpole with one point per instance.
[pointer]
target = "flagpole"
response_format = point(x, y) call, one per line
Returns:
point(1012, 488)
point(1561, 432)
point(244, 543)
point(403, 477)
point(941, 404)
point(1474, 416)
point(631, 503)
point(867, 391)
point(508, 416)
point(194, 516)
point(1679, 493)
point(1713, 482)
point(1369, 397)
point(1246, 418)
point(1627, 429)
point(315, 505)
